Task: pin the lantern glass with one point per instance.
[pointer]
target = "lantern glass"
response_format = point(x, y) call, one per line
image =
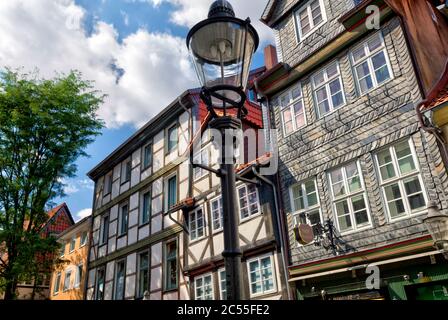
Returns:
point(222, 50)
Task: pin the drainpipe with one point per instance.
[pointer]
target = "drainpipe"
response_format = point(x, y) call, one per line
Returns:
point(281, 225)
point(84, 295)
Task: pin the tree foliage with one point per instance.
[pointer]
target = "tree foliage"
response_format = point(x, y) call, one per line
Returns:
point(45, 126)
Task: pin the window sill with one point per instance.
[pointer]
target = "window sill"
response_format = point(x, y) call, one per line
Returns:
point(373, 88)
point(256, 295)
point(195, 241)
point(252, 217)
point(300, 38)
point(145, 224)
point(170, 290)
point(350, 232)
point(408, 216)
point(122, 235)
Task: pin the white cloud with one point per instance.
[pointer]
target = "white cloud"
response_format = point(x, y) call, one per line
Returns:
point(141, 75)
point(83, 213)
point(188, 13)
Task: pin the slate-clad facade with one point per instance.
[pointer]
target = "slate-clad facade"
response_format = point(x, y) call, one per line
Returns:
point(343, 103)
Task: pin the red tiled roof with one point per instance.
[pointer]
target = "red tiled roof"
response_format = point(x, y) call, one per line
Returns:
point(438, 94)
point(441, 98)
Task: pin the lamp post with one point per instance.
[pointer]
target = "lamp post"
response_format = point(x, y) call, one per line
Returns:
point(437, 224)
point(221, 48)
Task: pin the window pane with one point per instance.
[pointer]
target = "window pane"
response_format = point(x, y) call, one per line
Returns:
point(321, 94)
point(359, 54)
point(414, 193)
point(314, 217)
point(387, 171)
point(393, 192)
point(382, 74)
point(335, 86)
point(359, 208)
point(318, 78)
point(316, 12)
point(378, 60)
point(304, 22)
point(311, 193)
point(296, 92)
point(396, 208)
point(343, 215)
point(374, 43)
point(354, 184)
point(332, 70)
point(324, 108)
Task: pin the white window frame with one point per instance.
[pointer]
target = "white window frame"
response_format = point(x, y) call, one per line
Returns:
point(399, 179)
point(274, 275)
point(124, 165)
point(150, 144)
point(120, 219)
point(108, 181)
point(204, 226)
point(369, 62)
point(347, 197)
point(291, 109)
point(69, 273)
point(203, 276)
point(221, 216)
point(313, 27)
point(72, 240)
point(326, 84)
point(296, 212)
point(222, 287)
point(82, 244)
point(78, 276)
point(203, 172)
point(116, 278)
point(57, 283)
point(104, 231)
point(247, 198)
point(166, 188)
point(142, 208)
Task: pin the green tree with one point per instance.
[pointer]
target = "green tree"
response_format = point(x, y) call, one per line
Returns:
point(45, 126)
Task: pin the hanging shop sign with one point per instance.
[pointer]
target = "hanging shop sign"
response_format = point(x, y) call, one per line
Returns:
point(304, 233)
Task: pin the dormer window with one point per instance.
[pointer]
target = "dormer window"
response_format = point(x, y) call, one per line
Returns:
point(310, 17)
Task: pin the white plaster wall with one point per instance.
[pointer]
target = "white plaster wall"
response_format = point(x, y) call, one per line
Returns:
point(117, 172)
point(157, 187)
point(156, 224)
point(122, 242)
point(108, 290)
point(170, 296)
point(156, 296)
point(132, 235)
point(135, 176)
point(131, 261)
point(110, 270)
point(91, 278)
point(133, 201)
point(156, 254)
point(129, 291)
point(158, 140)
point(102, 251)
point(113, 228)
point(158, 158)
point(113, 212)
point(156, 278)
point(136, 157)
point(112, 244)
point(133, 218)
point(157, 205)
point(143, 232)
point(125, 187)
point(249, 227)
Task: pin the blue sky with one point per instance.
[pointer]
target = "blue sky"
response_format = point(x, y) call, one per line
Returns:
point(126, 17)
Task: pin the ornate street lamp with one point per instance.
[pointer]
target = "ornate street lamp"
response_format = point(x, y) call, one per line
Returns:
point(221, 48)
point(437, 224)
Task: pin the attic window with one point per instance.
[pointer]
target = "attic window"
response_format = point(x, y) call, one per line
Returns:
point(310, 17)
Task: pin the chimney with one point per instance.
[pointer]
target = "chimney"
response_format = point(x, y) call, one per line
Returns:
point(270, 57)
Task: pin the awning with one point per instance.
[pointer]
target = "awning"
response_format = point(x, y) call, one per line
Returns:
point(378, 263)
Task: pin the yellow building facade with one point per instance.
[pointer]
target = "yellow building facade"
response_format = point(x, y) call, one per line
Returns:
point(68, 279)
